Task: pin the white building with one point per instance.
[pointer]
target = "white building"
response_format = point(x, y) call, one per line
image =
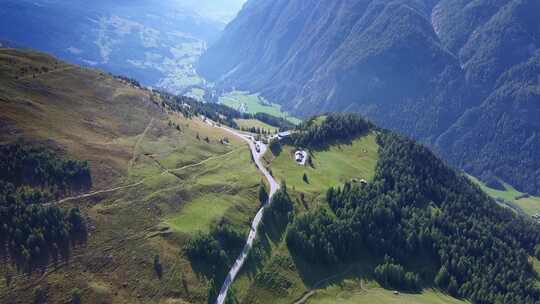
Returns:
point(300, 157)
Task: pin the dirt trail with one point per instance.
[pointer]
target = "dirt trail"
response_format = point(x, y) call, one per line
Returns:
point(167, 171)
point(135, 148)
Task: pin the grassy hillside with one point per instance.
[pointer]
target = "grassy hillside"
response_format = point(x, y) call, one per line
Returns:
point(153, 171)
point(362, 292)
point(331, 167)
point(276, 275)
point(401, 231)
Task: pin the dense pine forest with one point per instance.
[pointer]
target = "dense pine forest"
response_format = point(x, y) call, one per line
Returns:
point(32, 230)
point(416, 206)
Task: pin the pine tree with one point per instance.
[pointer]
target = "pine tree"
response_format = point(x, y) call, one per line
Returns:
point(263, 195)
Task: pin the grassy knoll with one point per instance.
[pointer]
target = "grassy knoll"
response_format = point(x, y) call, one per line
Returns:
point(331, 167)
point(529, 205)
point(253, 103)
point(255, 123)
point(168, 173)
point(365, 292)
point(275, 275)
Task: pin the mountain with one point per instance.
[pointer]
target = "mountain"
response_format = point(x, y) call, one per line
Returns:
point(114, 193)
point(443, 72)
point(155, 42)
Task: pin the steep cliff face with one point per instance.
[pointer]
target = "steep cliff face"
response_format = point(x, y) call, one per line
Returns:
point(501, 62)
point(367, 56)
point(421, 67)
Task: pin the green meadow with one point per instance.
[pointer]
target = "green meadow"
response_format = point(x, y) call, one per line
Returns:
point(529, 205)
point(253, 103)
point(331, 167)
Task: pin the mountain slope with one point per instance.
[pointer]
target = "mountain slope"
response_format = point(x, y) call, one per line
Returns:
point(159, 179)
point(414, 225)
point(169, 188)
point(341, 55)
point(415, 66)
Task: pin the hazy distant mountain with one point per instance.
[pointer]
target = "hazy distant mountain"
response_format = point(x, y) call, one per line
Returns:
point(154, 41)
point(219, 10)
point(460, 75)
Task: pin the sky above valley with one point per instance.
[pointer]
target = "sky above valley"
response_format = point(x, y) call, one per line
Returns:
point(217, 10)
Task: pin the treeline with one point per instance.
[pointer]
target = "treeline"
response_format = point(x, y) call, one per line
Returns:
point(129, 80)
point(392, 274)
point(190, 107)
point(417, 206)
point(257, 130)
point(32, 232)
point(212, 254)
point(321, 131)
point(219, 113)
point(218, 248)
point(281, 204)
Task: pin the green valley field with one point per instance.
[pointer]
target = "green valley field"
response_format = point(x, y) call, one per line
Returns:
point(253, 103)
point(527, 204)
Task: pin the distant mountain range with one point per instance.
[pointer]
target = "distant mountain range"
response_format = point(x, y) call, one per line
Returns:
point(218, 10)
point(155, 42)
point(462, 76)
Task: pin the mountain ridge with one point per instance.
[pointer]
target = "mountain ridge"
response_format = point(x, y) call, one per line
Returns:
point(414, 66)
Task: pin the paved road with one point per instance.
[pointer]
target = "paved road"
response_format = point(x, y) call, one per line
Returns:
point(274, 186)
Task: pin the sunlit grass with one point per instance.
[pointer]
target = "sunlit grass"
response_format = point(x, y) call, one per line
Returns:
point(530, 205)
point(332, 167)
point(362, 292)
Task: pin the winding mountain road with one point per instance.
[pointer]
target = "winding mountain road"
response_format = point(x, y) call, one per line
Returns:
point(274, 186)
